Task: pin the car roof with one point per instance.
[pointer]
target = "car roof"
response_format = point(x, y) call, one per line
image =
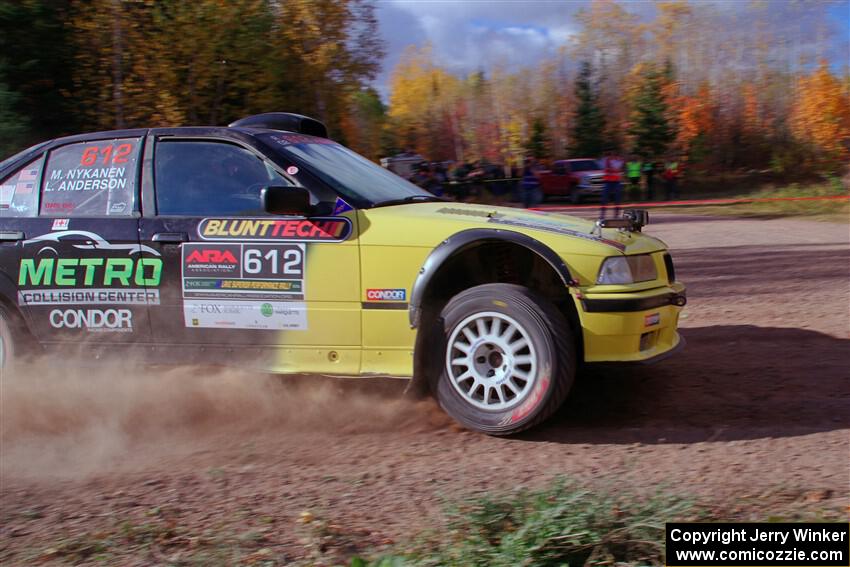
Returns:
point(244, 134)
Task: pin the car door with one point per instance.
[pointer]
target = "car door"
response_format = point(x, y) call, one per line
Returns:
point(83, 275)
point(234, 277)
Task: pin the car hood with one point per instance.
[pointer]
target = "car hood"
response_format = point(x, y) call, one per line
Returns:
point(428, 224)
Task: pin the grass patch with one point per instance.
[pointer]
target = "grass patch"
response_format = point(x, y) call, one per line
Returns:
point(831, 210)
point(564, 525)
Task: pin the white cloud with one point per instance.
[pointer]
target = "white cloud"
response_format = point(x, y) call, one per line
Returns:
point(469, 36)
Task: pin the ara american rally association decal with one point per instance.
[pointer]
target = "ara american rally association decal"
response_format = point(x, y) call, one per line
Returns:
point(244, 286)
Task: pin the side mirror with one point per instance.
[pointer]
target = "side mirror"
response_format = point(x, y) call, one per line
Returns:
point(286, 200)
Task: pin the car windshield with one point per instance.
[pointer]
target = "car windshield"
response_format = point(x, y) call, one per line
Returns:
point(351, 175)
point(584, 165)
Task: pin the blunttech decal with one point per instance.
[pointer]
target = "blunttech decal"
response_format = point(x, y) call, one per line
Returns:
point(101, 276)
point(325, 229)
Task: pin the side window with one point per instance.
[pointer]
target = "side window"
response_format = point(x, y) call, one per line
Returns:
point(95, 178)
point(19, 191)
point(195, 178)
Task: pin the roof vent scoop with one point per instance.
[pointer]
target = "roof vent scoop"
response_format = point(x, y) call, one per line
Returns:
point(283, 121)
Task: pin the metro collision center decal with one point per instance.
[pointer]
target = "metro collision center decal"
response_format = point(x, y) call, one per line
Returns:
point(106, 272)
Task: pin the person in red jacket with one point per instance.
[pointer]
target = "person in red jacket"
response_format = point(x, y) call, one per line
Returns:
point(613, 179)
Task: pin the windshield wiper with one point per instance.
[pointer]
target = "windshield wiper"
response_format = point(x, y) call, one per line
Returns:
point(409, 199)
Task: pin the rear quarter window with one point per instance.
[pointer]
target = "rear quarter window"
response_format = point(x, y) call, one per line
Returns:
point(95, 178)
point(19, 191)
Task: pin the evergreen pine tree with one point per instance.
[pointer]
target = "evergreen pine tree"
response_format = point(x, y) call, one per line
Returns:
point(651, 131)
point(589, 126)
point(537, 143)
point(13, 127)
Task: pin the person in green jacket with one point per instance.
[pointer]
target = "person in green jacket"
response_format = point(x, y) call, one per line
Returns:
point(633, 169)
point(649, 169)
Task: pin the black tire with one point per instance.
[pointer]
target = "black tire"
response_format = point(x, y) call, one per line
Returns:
point(575, 198)
point(494, 367)
point(8, 343)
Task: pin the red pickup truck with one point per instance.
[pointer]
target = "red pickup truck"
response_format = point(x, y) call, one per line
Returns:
point(575, 179)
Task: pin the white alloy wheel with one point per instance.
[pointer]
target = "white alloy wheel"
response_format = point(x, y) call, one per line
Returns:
point(491, 362)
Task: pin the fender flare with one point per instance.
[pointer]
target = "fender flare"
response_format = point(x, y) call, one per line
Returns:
point(466, 238)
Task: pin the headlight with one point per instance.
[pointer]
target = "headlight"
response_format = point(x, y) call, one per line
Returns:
point(627, 269)
point(585, 180)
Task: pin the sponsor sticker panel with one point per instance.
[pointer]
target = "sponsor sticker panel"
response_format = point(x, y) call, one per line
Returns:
point(243, 271)
point(259, 315)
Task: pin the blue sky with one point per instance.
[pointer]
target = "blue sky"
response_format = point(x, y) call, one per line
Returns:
point(472, 35)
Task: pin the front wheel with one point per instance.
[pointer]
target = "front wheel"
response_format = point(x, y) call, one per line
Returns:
point(508, 359)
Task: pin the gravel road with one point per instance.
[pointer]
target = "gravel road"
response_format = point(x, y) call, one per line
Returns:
point(752, 418)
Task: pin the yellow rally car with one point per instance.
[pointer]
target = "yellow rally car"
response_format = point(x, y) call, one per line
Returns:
point(266, 243)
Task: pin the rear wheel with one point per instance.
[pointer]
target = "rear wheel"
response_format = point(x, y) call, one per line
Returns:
point(7, 343)
point(508, 359)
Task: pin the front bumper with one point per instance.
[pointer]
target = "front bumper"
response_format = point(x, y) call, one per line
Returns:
point(588, 190)
point(630, 327)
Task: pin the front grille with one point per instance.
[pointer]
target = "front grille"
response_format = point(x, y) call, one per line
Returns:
point(671, 271)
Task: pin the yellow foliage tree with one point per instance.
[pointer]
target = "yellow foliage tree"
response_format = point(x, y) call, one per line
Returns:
point(421, 102)
point(820, 115)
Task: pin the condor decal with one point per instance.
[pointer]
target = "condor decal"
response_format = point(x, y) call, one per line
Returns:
point(93, 320)
point(333, 229)
point(386, 294)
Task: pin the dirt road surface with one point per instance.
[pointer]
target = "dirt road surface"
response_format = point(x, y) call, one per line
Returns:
point(753, 418)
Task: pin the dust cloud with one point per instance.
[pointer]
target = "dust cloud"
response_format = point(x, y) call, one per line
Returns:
point(70, 419)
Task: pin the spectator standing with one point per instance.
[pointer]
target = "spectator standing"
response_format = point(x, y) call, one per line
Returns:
point(530, 184)
point(671, 179)
point(613, 178)
point(649, 173)
point(434, 182)
point(633, 167)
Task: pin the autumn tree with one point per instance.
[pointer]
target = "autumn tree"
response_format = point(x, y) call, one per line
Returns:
point(421, 104)
point(363, 127)
point(820, 115)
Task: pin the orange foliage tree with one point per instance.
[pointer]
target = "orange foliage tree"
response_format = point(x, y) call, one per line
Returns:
point(820, 115)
